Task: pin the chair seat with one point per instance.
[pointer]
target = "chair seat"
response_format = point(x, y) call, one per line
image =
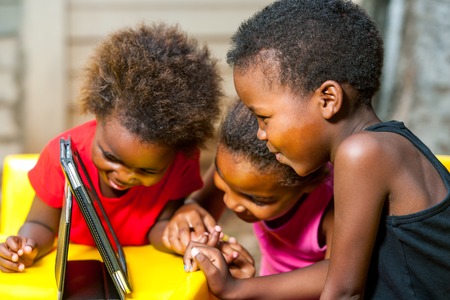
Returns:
point(153, 275)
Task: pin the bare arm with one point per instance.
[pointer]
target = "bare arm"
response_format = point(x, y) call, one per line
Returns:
point(35, 238)
point(41, 225)
point(360, 190)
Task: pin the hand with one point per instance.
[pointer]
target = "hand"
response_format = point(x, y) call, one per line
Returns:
point(17, 253)
point(239, 260)
point(190, 222)
point(214, 266)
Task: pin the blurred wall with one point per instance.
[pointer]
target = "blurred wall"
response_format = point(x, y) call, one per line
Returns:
point(44, 45)
point(416, 77)
point(10, 68)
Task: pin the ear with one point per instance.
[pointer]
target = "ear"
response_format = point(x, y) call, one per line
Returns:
point(331, 96)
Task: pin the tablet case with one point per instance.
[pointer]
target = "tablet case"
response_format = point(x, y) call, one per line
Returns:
point(87, 279)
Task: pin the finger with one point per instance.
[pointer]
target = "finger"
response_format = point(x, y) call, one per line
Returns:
point(232, 240)
point(190, 265)
point(5, 251)
point(215, 236)
point(7, 266)
point(242, 251)
point(210, 260)
point(230, 257)
point(171, 239)
point(242, 268)
point(14, 243)
point(197, 225)
point(242, 272)
point(29, 246)
point(202, 239)
point(202, 260)
point(180, 241)
point(209, 222)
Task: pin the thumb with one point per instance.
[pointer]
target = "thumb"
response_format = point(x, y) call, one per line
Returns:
point(203, 261)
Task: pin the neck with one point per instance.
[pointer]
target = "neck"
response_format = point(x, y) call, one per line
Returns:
point(278, 222)
point(353, 124)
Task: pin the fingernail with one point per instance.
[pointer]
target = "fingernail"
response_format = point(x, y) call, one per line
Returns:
point(185, 268)
point(217, 228)
point(195, 252)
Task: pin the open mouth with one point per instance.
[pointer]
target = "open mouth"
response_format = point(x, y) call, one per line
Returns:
point(117, 185)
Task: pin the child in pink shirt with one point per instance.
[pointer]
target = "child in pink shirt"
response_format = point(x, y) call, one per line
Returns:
point(292, 215)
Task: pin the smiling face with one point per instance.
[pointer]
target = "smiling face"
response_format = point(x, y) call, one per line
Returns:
point(123, 161)
point(292, 126)
point(252, 195)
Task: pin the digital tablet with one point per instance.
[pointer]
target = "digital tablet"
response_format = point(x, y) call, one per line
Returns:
point(110, 249)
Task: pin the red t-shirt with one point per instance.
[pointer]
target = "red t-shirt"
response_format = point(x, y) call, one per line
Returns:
point(131, 215)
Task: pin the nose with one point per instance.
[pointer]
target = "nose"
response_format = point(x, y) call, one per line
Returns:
point(261, 134)
point(233, 203)
point(127, 176)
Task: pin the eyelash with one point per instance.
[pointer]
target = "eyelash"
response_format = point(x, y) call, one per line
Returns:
point(256, 202)
point(109, 157)
point(114, 160)
point(148, 172)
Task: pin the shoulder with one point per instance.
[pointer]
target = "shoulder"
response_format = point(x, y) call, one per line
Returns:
point(363, 150)
point(367, 161)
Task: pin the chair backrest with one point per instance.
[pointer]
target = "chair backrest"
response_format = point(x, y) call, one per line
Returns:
point(17, 193)
point(445, 160)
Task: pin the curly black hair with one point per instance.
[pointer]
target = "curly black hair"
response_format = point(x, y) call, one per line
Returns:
point(310, 41)
point(237, 135)
point(160, 84)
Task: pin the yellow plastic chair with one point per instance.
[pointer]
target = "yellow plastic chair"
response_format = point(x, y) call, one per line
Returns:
point(153, 274)
point(17, 193)
point(445, 160)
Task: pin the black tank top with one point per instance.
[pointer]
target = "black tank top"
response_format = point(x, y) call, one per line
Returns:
point(411, 258)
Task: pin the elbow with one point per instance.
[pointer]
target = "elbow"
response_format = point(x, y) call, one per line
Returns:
point(341, 293)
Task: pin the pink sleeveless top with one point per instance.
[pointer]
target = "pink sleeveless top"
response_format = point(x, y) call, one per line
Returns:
point(295, 244)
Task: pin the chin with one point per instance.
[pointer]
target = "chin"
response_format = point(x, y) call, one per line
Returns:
point(300, 171)
point(248, 218)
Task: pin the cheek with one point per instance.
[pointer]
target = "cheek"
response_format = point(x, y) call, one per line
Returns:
point(150, 180)
point(219, 183)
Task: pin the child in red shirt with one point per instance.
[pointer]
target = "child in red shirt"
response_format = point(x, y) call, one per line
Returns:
point(155, 97)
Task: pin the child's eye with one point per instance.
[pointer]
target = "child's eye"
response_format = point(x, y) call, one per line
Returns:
point(149, 171)
point(110, 157)
point(257, 203)
point(260, 201)
point(262, 120)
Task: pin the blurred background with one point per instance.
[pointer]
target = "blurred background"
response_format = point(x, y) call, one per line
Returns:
point(44, 45)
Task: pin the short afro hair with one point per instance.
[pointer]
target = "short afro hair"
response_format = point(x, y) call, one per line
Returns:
point(159, 83)
point(310, 41)
point(237, 135)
